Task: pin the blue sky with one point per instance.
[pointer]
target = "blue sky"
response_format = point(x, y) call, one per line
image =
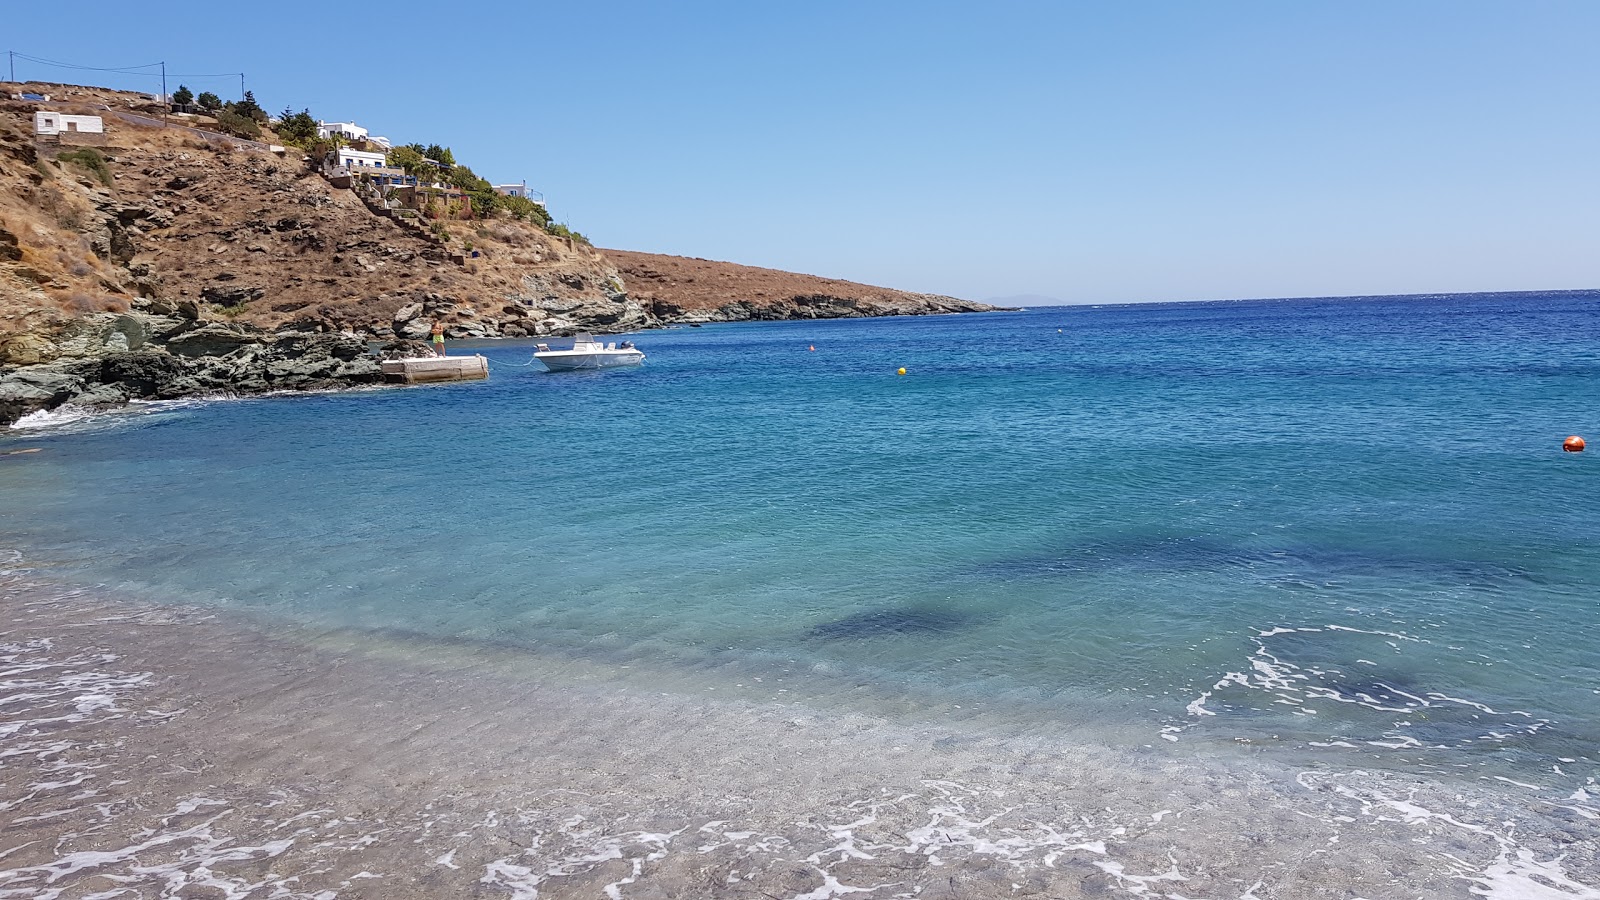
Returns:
point(1091, 152)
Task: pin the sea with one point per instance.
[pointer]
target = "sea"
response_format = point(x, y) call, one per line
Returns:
point(1334, 537)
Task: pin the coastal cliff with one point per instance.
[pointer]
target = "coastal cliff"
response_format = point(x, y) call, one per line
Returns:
point(159, 260)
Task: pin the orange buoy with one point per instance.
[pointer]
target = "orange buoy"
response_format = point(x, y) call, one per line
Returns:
point(813, 348)
point(1573, 444)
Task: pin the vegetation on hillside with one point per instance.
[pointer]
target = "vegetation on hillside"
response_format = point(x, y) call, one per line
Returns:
point(90, 159)
point(428, 163)
point(242, 118)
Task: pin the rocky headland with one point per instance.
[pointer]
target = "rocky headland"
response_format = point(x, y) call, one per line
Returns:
point(166, 261)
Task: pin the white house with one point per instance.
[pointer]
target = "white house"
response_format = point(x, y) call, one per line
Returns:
point(378, 140)
point(519, 190)
point(350, 130)
point(46, 122)
point(355, 160)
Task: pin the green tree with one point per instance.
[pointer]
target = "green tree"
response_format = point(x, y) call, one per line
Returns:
point(248, 107)
point(297, 128)
point(409, 158)
point(183, 96)
point(208, 100)
point(441, 155)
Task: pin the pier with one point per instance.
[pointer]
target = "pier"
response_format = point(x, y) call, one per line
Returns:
point(437, 368)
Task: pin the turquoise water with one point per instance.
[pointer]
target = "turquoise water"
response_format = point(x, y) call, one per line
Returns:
point(1343, 527)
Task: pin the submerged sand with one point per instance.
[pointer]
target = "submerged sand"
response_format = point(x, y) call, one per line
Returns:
point(154, 751)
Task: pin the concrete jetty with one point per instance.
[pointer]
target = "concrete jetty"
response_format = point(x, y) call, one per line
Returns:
point(435, 368)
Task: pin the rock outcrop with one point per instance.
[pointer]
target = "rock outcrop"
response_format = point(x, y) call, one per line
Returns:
point(108, 359)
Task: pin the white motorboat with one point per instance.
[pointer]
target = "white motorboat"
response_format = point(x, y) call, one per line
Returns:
point(588, 353)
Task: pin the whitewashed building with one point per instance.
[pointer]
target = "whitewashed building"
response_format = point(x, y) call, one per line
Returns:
point(350, 130)
point(356, 160)
point(48, 122)
point(519, 190)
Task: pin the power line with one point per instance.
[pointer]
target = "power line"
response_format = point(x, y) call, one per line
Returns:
point(126, 70)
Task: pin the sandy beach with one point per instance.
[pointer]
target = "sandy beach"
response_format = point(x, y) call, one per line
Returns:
point(176, 752)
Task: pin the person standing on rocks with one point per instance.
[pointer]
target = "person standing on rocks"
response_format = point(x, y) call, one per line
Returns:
point(438, 338)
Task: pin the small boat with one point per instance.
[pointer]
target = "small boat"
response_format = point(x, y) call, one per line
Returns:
point(588, 353)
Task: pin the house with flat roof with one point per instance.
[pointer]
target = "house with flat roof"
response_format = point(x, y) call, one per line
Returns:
point(47, 122)
point(519, 190)
point(349, 130)
point(344, 165)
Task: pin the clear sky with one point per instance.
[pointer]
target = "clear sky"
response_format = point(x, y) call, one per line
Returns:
point(1090, 152)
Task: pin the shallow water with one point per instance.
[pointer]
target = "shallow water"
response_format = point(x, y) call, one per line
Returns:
point(1343, 530)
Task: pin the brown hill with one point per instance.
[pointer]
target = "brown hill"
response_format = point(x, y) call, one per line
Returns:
point(173, 214)
point(684, 289)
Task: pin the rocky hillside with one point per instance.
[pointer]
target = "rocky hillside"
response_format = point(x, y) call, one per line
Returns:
point(679, 289)
point(261, 238)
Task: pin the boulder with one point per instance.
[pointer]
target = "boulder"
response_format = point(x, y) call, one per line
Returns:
point(35, 388)
point(92, 336)
point(100, 396)
point(231, 294)
point(212, 339)
point(27, 350)
point(142, 374)
point(405, 349)
point(416, 329)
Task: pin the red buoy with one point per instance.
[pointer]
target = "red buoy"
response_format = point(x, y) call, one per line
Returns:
point(1573, 444)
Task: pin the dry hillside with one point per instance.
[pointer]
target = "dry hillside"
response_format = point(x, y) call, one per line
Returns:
point(257, 237)
point(680, 289)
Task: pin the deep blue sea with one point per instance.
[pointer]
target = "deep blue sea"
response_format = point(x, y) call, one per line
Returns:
point(1344, 526)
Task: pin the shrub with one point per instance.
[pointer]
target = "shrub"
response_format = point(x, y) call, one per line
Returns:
point(89, 158)
point(526, 210)
point(237, 125)
point(208, 101)
point(562, 231)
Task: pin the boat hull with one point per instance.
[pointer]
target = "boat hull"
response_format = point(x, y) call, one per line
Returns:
point(568, 360)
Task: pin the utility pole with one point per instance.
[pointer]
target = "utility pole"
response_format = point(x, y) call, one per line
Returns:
point(241, 87)
point(13, 55)
point(166, 106)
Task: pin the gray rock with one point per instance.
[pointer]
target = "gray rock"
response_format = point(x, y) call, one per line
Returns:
point(35, 388)
point(100, 396)
point(231, 294)
point(415, 330)
point(212, 339)
point(143, 374)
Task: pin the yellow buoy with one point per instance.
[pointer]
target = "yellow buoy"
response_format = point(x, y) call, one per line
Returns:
point(900, 371)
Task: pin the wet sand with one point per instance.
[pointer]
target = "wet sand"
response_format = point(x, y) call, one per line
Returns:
point(150, 751)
